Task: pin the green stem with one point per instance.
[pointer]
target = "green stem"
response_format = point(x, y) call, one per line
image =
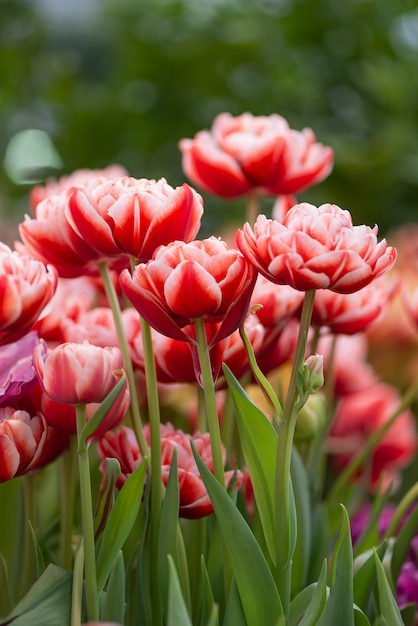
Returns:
point(69, 475)
point(126, 358)
point(27, 574)
point(210, 400)
point(253, 205)
point(92, 601)
point(156, 480)
point(77, 587)
point(401, 510)
point(286, 430)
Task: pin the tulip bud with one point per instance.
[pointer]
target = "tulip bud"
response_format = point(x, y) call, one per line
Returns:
point(312, 374)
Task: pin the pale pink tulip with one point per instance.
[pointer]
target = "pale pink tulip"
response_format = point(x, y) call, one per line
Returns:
point(360, 415)
point(21, 439)
point(78, 373)
point(245, 153)
point(316, 248)
point(72, 181)
point(26, 288)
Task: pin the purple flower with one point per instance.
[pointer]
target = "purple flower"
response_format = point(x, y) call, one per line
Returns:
point(17, 374)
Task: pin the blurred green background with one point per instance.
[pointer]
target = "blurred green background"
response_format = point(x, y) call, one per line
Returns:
point(121, 81)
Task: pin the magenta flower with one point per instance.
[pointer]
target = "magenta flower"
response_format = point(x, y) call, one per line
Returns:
point(17, 374)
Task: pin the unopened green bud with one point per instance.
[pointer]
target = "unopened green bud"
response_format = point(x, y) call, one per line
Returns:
point(312, 374)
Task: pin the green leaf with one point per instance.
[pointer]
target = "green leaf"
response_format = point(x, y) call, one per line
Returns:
point(97, 418)
point(360, 619)
point(167, 538)
point(389, 610)
point(261, 602)
point(5, 592)
point(234, 614)
point(207, 615)
point(403, 543)
point(365, 575)
point(177, 611)
point(259, 442)
point(339, 606)
point(318, 600)
point(113, 607)
point(39, 563)
point(303, 514)
point(48, 601)
point(119, 523)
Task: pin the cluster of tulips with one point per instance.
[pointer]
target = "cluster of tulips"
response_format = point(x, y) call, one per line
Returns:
point(215, 443)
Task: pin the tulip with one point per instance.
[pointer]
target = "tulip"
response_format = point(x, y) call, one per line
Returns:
point(75, 180)
point(350, 371)
point(49, 237)
point(176, 361)
point(78, 373)
point(184, 282)
point(21, 439)
point(26, 287)
point(350, 313)
point(360, 415)
point(194, 499)
point(316, 248)
point(245, 153)
point(17, 374)
point(133, 216)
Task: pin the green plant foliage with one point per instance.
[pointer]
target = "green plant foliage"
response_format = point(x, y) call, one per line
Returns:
point(119, 523)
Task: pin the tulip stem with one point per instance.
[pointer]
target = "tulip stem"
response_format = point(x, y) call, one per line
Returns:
point(156, 479)
point(253, 205)
point(286, 430)
point(210, 400)
point(126, 358)
point(26, 578)
point(69, 461)
point(92, 601)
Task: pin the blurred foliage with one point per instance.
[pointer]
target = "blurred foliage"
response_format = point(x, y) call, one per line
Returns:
point(125, 81)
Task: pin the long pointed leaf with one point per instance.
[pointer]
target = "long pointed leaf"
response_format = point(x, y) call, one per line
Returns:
point(259, 443)
point(113, 608)
point(261, 602)
point(119, 523)
point(177, 611)
point(339, 607)
point(389, 610)
point(47, 603)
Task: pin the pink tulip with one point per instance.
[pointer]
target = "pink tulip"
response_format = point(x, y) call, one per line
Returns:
point(351, 372)
point(243, 153)
point(183, 282)
point(75, 180)
point(26, 287)
point(134, 216)
point(49, 237)
point(194, 500)
point(350, 313)
point(177, 361)
point(78, 373)
point(358, 416)
point(21, 439)
point(316, 248)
